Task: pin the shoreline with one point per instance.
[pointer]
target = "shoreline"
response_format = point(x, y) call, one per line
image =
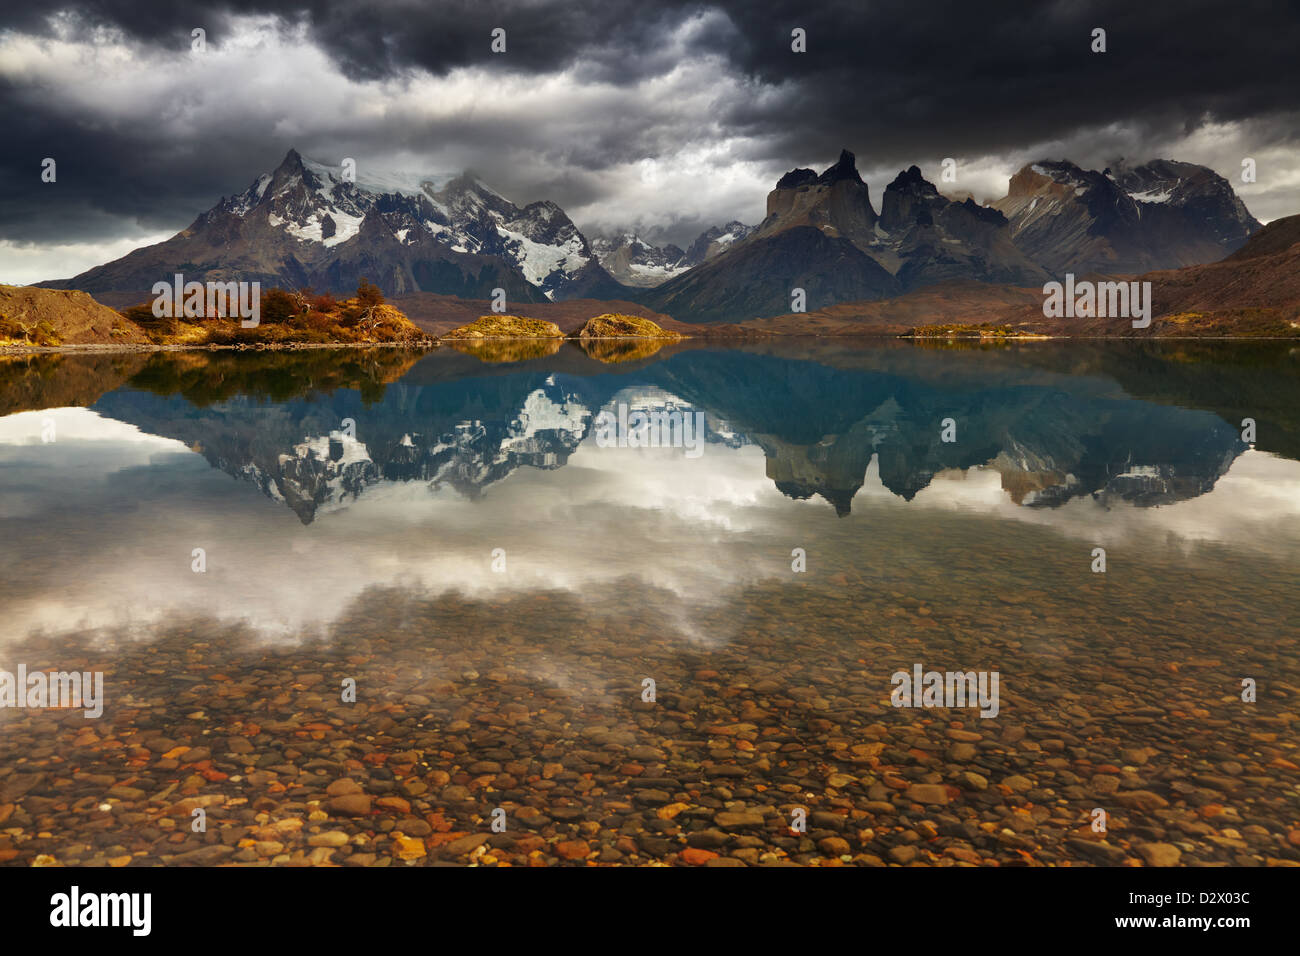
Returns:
point(93, 347)
point(429, 345)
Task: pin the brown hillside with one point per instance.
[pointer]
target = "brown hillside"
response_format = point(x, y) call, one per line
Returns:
point(42, 317)
point(1278, 236)
point(1256, 290)
point(946, 303)
point(1253, 292)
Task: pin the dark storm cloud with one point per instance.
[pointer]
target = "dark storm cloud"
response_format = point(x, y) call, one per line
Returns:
point(898, 74)
point(615, 41)
point(905, 78)
point(898, 81)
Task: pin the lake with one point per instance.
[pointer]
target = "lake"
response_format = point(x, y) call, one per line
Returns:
point(379, 608)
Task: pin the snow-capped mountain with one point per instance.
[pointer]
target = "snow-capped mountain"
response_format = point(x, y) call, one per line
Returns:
point(634, 261)
point(1160, 215)
point(716, 240)
point(306, 223)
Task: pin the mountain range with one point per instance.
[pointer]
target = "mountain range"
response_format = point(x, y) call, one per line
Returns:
point(308, 224)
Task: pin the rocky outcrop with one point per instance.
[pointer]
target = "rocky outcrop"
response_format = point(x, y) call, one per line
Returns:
point(836, 203)
point(506, 327)
point(928, 238)
point(613, 325)
point(30, 316)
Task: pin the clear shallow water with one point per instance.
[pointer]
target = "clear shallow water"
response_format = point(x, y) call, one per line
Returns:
point(350, 508)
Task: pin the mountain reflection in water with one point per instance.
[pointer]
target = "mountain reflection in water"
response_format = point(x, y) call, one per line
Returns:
point(415, 468)
point(1051, 437)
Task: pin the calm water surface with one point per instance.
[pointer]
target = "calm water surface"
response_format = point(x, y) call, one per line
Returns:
point(448, 532)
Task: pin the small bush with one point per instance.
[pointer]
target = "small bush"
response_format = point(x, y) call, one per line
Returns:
point(368, 293)
point(318, 321)
point(278, 306)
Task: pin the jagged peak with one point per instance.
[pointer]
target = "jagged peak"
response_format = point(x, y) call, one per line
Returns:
point(1057, 170)
point(470, 182)
point(1032, 176)
point(292, 169)
point(912, 179)
point(796, 178)
point(844, 168)
point(292, 165)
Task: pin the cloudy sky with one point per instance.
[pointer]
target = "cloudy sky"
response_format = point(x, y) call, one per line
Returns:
point(664, 117)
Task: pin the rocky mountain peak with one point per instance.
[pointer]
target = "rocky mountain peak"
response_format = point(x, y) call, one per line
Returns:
point(305, 223)
point(715, 240)
point(292, 164)
point(845, 168)
point(796, 178)
point(837, 202)
point(909, 199)
point(290, 170)
point(911, 178)
point(637, 262)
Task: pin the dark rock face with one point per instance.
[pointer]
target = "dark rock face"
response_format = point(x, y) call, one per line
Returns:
point(1160, 215)
point(812, 238)
point(845, 168)
point(934, 239)
point(757, 277)
point(796, 178)
point(716, 240)
point(837, 202)
point(1200, 203)
point(906, 198)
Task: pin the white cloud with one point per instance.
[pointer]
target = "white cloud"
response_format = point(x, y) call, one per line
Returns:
point(23, 263)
